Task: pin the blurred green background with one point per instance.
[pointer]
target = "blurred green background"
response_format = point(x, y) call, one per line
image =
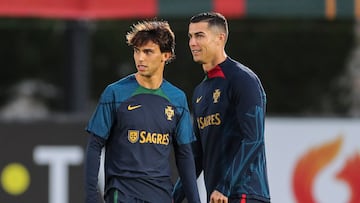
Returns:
point(301, 62)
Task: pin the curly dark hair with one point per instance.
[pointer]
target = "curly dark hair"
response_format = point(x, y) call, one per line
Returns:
point(157, 31)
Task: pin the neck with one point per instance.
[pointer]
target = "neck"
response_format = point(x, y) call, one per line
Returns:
point(213, 63)
point(149, 82)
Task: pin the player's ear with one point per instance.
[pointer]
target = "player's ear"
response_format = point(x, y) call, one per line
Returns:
point(222, 36)
point(166, 56)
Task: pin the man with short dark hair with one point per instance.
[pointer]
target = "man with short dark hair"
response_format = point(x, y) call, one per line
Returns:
point(229, 115)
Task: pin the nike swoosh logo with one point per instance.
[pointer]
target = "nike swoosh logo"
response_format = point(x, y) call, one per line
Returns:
point(198, 99)
point(130, 108)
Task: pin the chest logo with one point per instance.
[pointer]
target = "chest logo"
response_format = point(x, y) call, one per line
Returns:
point(216, 95)
point(133, 136)
point(169, 112)
point(130, 107)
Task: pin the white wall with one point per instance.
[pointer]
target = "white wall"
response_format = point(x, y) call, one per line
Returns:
point(325, 146)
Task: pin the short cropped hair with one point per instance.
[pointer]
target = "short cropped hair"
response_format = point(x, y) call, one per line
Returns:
point(157, 31)
point(213, 19)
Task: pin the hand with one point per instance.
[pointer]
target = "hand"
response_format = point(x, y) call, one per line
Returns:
point(218, 197)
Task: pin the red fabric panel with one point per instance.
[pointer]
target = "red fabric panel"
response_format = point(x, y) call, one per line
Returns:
point(92, 9)
point(216, 72)
point(230, 8)
point(122, 8)
point(48, 8)
point(243, 198)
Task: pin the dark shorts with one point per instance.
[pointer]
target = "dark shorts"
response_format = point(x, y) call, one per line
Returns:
point(115, 196)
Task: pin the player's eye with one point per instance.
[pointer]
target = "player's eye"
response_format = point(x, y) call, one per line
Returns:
point(199, 36)
point(148, 51)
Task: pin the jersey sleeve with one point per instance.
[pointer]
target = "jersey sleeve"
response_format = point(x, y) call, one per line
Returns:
point(178, 191)
point(102, 119)
point(186, 168)
point(184, 131)
point(250, 109)
point(92, 164)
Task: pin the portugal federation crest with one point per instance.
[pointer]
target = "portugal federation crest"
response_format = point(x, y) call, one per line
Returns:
point(169, 112)
point(216, 95)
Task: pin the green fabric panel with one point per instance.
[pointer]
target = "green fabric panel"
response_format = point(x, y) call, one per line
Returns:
point(143, 90)
point(183, 8)
point(286, 8)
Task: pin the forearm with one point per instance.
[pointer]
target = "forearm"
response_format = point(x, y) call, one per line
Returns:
point(92, 163)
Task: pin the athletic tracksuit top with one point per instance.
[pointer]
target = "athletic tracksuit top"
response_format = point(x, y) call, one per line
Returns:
point(229, 110)
point(138, 128)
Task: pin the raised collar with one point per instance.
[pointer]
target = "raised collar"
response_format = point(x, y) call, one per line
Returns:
point(216, 72)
